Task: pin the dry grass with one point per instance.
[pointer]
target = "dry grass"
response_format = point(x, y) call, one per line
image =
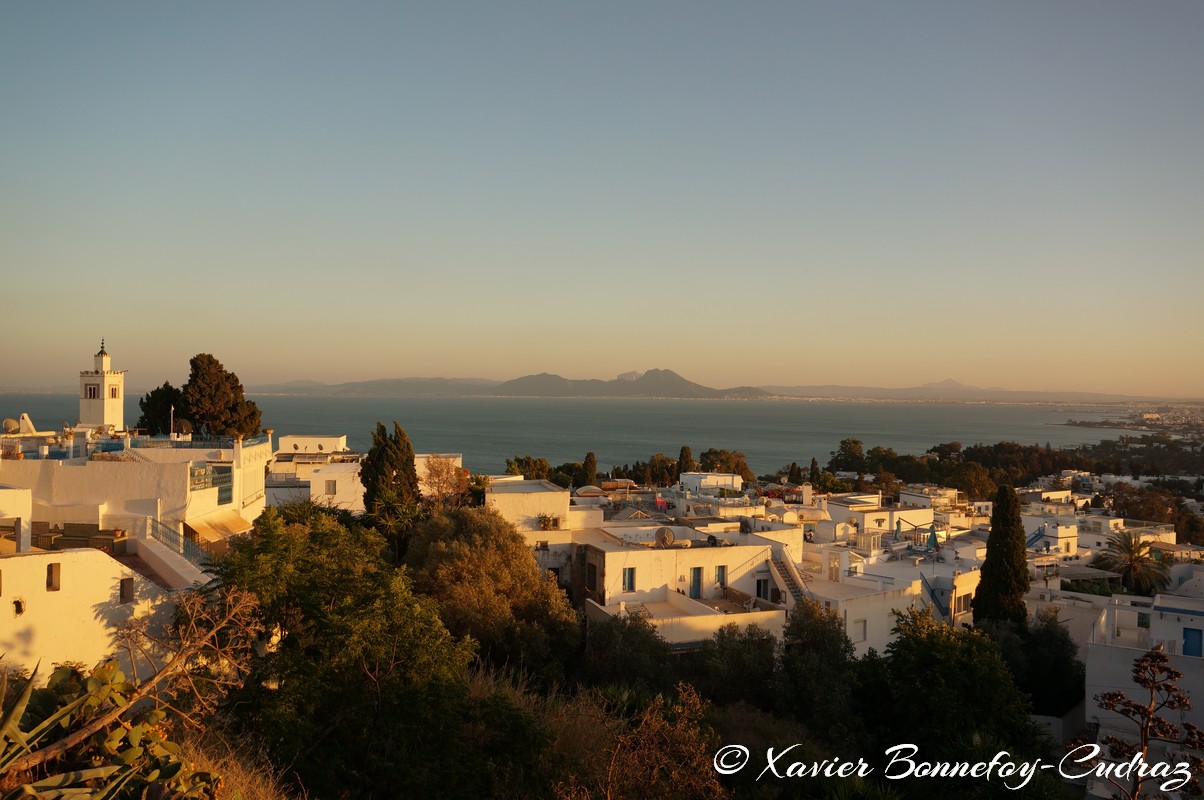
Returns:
point(244, 769)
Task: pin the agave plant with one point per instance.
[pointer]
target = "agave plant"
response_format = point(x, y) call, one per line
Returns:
point(133, 758)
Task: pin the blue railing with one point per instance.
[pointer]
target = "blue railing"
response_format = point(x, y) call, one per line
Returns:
point(207, 478)
point(196, 443)
point(189, 549)
point(936, 600)
point(53, 454)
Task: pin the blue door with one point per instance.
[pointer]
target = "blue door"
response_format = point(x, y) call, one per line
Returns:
point(696, 582)
point(1193, 640)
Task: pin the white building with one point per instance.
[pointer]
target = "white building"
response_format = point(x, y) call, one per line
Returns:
point(866, 590)
point(102, 395)
point(1095, 530)
point(321, 469)
point(67, 606)
point(530, 505)
point(685, 583)
point(337, 485)
point(854, 513)
point(97, 474)
point(292, 475)
point(711, 482)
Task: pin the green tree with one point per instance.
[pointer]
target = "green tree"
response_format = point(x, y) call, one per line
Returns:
point(1056, 675)
point(489, 588)
point(938, 685)
point(794, 474)
point(530, 467)
point(662, 470)
point(1005, 577)
point(156, 406)
point(387, 471)
point(589, 471)
point(813, 473)
point(565, 475)
point(973, 479)
point(685, 461)
point(626, 651)
point(1129, 555)
point(363, 690)
point(1043, 661)
point(727, 461)
point(949, 451)
point(216, 402)
point(736, 665)
point(815, 683)
point(849, 457)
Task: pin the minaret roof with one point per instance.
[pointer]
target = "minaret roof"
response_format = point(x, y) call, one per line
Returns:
point(102, 348)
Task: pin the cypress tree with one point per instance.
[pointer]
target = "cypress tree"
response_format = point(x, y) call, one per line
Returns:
point(685, 461)
point(589, 471)
point(813, 476)
point(794, 474)
point(1005, 577)
point(387, 471)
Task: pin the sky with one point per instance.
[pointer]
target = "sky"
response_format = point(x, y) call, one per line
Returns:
point(788, 193)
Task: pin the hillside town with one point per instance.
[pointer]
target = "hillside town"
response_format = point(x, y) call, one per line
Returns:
point(104, 525)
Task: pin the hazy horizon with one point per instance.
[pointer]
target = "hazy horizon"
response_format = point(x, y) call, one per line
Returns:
point(251, 385)
point(865, 194)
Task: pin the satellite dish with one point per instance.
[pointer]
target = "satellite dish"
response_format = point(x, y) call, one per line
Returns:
point(11, 425)
point(182, 426)
point(296, 446)
point(664, 537)
point(320, 448)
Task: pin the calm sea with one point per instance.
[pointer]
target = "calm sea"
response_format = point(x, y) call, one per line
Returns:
point(771, 433)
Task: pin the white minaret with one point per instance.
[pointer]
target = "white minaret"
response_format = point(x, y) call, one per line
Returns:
point(102, 394)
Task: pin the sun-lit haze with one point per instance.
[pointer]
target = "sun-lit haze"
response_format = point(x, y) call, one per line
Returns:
point(867, 193)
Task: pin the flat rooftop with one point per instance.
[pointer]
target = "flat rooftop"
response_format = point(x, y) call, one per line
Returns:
point(525, 487)
point(1172, 604)
point(616, 538)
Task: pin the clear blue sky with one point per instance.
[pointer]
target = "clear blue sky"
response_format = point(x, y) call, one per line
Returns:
point(881, 193)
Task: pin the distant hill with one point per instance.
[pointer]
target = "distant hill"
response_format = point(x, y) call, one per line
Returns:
point(665, 383)
point(653, 383)
point(947, 390)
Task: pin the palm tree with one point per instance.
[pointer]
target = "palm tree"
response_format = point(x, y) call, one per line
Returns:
point(1129, 555)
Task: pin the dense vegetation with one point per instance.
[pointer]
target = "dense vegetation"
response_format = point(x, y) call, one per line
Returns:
point(417, 651)
point(464, 673)
point(211, 402)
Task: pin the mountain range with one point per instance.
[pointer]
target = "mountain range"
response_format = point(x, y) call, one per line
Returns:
point(664, 383)
point(653, 383)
